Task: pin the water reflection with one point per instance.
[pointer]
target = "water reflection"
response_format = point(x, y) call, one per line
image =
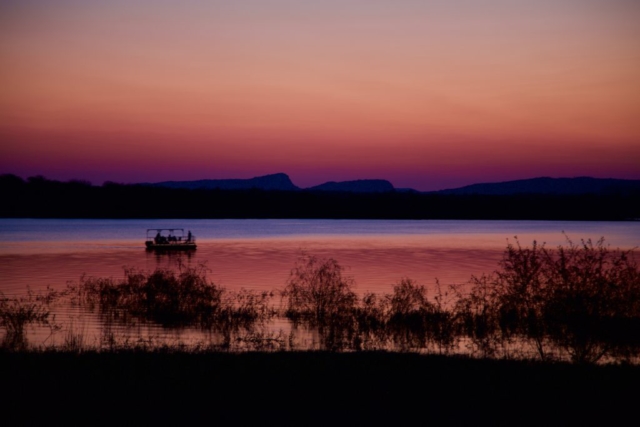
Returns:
point(376, 261)
point(553, 305)
point(169, 259)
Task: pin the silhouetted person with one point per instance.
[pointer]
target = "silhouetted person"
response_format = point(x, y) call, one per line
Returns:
point(158, 238)
point(189, 236)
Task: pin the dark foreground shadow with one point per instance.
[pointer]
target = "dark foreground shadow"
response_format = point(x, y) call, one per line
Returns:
point(308, 388)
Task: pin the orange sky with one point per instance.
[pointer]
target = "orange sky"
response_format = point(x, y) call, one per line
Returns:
point(428, 95)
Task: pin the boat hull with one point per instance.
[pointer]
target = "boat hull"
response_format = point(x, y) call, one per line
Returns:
point(180, 246)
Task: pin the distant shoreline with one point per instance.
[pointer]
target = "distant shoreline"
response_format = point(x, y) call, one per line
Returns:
point(39, 197)
point(53, 199)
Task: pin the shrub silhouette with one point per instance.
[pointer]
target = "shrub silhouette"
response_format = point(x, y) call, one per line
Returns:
point(319, 296)
point(317, 291)
point(579, 302)
point(522, 294)
point(477, 315)
point(410, 315)
point(593, 306)
point(581, 299)
point(372, 318)
point(183, 299)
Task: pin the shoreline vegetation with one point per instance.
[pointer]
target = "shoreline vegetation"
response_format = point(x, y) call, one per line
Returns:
point(550, 338)
point(577, 303)
point(38, 197)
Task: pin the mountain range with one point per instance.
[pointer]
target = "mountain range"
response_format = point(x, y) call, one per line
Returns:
point(277, 181)
point(542, 185)
point(281, 182)
point(551, 186)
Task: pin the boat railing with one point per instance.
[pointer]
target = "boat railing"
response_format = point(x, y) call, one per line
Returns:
point(173, 240)
point(169, 235)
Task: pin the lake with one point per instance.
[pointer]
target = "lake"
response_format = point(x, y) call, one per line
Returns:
point(259, 254)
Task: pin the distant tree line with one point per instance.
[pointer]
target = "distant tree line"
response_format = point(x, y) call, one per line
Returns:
point(38, 197)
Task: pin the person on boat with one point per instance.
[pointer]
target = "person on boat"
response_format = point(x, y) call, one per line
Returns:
point(158, 238)
point(189, 236)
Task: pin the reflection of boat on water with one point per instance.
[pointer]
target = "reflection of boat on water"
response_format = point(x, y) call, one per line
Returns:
point(172, 239)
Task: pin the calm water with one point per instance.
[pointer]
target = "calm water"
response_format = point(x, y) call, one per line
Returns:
point(259, 254)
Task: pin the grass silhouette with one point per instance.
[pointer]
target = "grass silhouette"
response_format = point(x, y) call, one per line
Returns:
point(576, 302)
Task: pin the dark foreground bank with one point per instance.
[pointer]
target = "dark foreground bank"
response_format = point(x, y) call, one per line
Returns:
point(309, 388)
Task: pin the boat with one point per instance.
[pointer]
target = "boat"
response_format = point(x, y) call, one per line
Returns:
point(172, 239)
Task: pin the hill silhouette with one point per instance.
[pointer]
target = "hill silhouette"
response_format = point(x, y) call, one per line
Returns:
point(357, 186)
point(540, 186)
point(545, 185)
point(276, 181)
point(279, 182)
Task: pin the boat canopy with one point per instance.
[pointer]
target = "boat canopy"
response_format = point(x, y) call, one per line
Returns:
point(172, 231)
point(169, 238)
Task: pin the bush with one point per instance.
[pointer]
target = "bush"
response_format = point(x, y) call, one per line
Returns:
point(317, 292)
point(174, 299)
point(581, 299)
point(317, 295)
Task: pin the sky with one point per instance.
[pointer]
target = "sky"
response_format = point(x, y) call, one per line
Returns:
point(426, 94)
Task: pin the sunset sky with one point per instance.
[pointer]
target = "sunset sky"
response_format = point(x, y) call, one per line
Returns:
point(427, 94)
